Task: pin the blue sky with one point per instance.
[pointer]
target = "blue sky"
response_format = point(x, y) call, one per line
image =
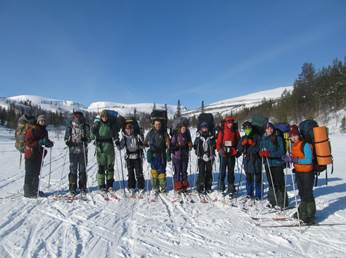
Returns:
point(160, 51)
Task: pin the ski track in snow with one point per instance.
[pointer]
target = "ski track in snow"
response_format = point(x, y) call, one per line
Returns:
point(140, 228)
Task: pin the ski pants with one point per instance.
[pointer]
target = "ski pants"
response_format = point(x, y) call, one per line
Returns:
point(32, 174)
point(78, 162)
point(135, 173)
point(205, 177)
point(227, 164)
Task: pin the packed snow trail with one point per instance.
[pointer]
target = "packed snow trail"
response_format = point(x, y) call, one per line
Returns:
point(140, 228)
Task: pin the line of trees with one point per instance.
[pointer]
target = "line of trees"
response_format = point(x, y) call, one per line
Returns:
point(315, 94)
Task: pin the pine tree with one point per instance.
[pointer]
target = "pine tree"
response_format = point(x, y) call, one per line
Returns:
point(343, 125)
point(178, 114)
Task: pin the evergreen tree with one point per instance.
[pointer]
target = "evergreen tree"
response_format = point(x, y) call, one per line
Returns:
point(343, 125)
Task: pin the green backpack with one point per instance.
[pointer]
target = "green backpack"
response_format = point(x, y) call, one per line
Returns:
point(25, 122)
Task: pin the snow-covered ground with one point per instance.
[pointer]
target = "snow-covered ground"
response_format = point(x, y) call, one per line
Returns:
point(140, 228)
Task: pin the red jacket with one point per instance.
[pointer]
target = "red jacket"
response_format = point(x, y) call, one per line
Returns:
point(228, 135)
point(32, 137)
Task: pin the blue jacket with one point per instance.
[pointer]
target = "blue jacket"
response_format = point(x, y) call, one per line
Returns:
point(276, 151)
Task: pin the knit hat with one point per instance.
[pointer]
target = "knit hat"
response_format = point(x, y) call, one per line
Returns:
point(41, 118)
point(269, 124)
point(229, 119)
point(294, 130)
point(204, 125)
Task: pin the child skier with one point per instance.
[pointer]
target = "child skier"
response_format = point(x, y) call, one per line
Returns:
point(204, 145)
point(134, 157)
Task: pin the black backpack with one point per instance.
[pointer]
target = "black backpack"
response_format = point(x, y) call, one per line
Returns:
point(259, 123)
point(160, 115)
point(209, 119)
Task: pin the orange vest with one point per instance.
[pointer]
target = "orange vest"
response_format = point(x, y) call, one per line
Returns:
point(298, 152)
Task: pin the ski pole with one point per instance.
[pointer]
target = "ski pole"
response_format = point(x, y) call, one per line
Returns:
point(271, 178)
point(20, 160)
point(295, 197)
point(39, 174)
point(122, 171)
point(85, 163)
point(50, 167)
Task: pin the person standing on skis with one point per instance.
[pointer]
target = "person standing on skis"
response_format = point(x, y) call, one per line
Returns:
point(35, 142)
point(226, 145)
point(158, 142)
point(134, 157)
point(271, 151)
point(249, 147)
point(77, 137)
point(180, 146)
point(302, 159)
point(105, 135)
point(204, 146)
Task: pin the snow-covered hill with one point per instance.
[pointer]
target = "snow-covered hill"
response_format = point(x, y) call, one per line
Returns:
point(48, 104)
point(222, 106)
point(235, 104)
point(124, 109)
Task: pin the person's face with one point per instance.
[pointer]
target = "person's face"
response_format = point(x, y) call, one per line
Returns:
point(183, 129)
point(42, 122)
point(157, 125)
point(104, 118)
point(229, 124)
point(129, 130)
point(294, 138)
point(204, 129)
point(269, 131)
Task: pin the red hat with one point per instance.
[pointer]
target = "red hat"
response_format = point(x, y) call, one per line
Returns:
point(294, 130)
point(229, 119)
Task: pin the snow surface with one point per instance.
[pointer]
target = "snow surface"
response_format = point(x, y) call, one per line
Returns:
point(140, 228)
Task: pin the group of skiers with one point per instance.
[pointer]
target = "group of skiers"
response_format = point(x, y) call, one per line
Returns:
point(258, 150)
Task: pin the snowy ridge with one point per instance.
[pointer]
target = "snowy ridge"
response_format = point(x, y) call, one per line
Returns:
point(222, 106)
point(125, 109)
point(236, 104)
point(48, 104)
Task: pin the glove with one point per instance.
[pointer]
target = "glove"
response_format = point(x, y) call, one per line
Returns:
point(46, 142)
point(68, 143)
point(250, 141)
point(264, 153)
point(244, 141)
point(290, 159)
point(149, 156)
point(233, 151)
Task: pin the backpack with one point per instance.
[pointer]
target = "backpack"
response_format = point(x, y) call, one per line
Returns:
point(259, 123)
point(282, 130)
point(25, 123)
point(209, 119)
point(306, 129)
point(161, 115)
point(116, 120)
